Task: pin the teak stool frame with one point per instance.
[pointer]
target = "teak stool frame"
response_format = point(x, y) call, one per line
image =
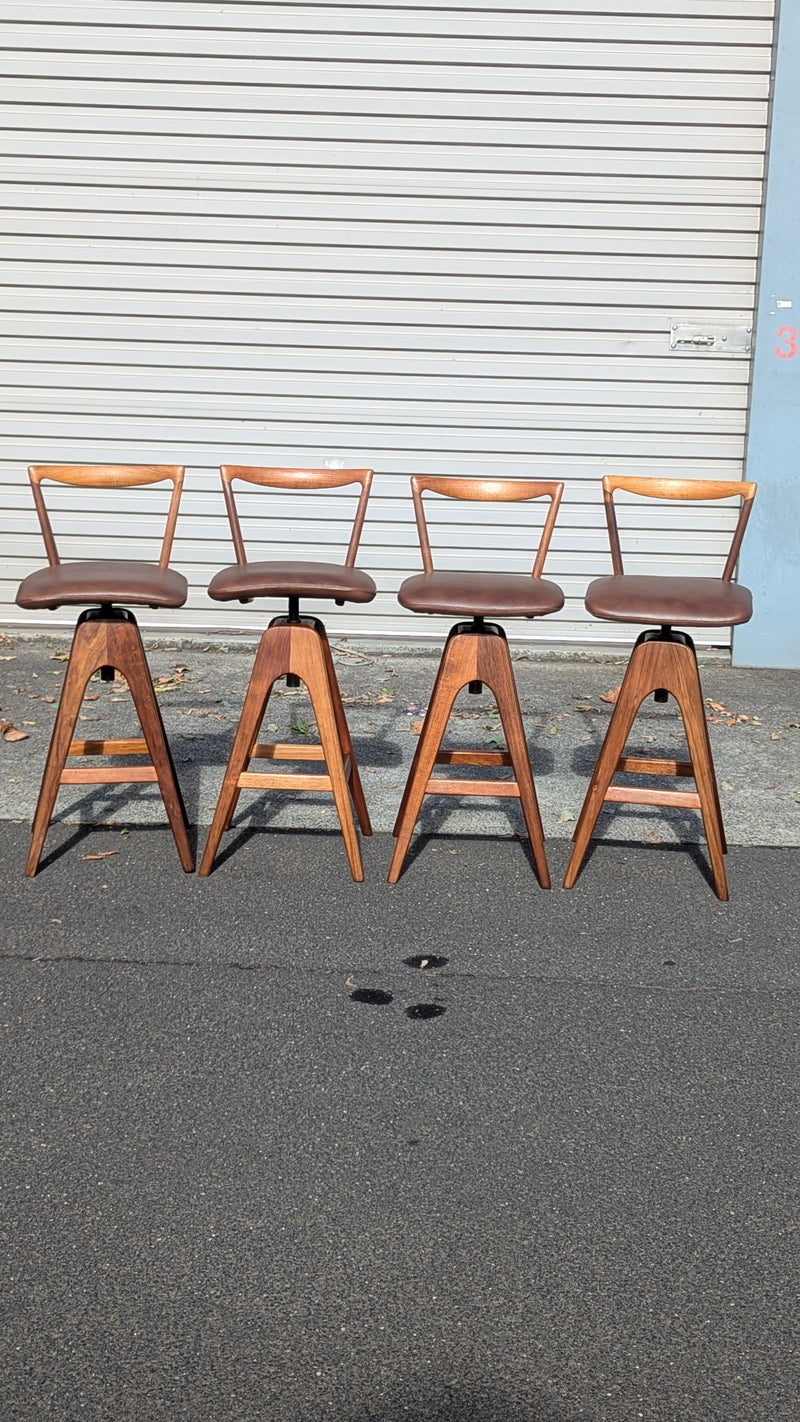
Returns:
point(295, 647)
point(476, 652)
point(662, 663)
point(106, 639)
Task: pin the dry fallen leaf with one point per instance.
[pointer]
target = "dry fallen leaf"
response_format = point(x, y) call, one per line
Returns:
point(8, 659)
point(9, 732)
point(170, 683)
point(104, 854)
point(416, 726)
point(60, 657)
point(611, 695)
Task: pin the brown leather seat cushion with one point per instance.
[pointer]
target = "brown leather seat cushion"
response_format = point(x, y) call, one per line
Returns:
point(481, 594)
point(669, 602)
point(100, 580)
point(300, 579)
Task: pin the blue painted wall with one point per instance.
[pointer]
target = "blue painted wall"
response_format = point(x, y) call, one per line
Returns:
point(770, 559)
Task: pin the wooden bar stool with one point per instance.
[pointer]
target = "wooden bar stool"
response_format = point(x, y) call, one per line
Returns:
point(664, 663)
point(295, 647)
point(106, 638)
point(476, 652)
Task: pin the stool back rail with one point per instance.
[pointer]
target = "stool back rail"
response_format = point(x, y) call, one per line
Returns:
point(297, 648)
point(476, 652)
point(664, 663)
point(106, 639)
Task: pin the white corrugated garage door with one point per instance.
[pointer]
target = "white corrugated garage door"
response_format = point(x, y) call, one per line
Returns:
point(445, 240)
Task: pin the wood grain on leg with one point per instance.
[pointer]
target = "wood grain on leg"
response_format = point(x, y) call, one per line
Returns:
point(127, 654)
point(469, 656)
point(496, 671)
point(657, 662)
point(269, 664)
point(457, 668)
point(296, 648)
point(109, 641)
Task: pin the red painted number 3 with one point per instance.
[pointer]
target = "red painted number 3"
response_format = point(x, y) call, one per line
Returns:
point(787, 335)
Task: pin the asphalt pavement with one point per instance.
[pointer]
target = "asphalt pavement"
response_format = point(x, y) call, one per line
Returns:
point(282, 1146)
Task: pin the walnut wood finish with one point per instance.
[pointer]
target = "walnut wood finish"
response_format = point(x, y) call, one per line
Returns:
point(474, 654)
point(109, 640)
point(487, 491)
point(301, 649)
point(106, 476)
point(295, 479)
point(471, 656)
point(663, 663)
point(672, 665)
point(684, 490)
point(297, 648)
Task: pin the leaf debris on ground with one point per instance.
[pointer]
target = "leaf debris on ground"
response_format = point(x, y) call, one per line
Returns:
point(10, 732)
point(170, 683)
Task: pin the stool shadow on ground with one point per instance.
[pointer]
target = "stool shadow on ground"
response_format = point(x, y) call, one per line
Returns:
point(434, 839)
point(241, 833)
point(686, 824)
point(687, 849)
point(435, 812)
point(88, 832)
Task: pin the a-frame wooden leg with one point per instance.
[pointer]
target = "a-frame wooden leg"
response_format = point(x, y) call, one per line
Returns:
point(353, 777)
point(471, 656)
point(494, 668)
point(457, 668)
point(270, 663)
point(656, 663)
point(108, 640)
point(443, 674)
point(80, 667)
point(308, 662)
point(623, 716)
point(126, 653)
point(689, 696)
point(297, 648)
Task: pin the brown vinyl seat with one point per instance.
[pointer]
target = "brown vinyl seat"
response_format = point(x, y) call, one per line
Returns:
point(295, 647)
point(481, 595)
point(663, 663)
point(669, 602)
point(317, 580)
point(476, 652)
point(106, 638)
point(116, 580)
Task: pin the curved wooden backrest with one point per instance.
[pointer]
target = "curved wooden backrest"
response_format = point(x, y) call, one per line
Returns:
point(295, 479)
point(487, 491)
point(106, 476)
point(685, 490)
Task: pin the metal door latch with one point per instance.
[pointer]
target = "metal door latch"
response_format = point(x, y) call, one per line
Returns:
point(710, 338)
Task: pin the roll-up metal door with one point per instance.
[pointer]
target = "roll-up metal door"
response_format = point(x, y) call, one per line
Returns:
point(459, 240)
